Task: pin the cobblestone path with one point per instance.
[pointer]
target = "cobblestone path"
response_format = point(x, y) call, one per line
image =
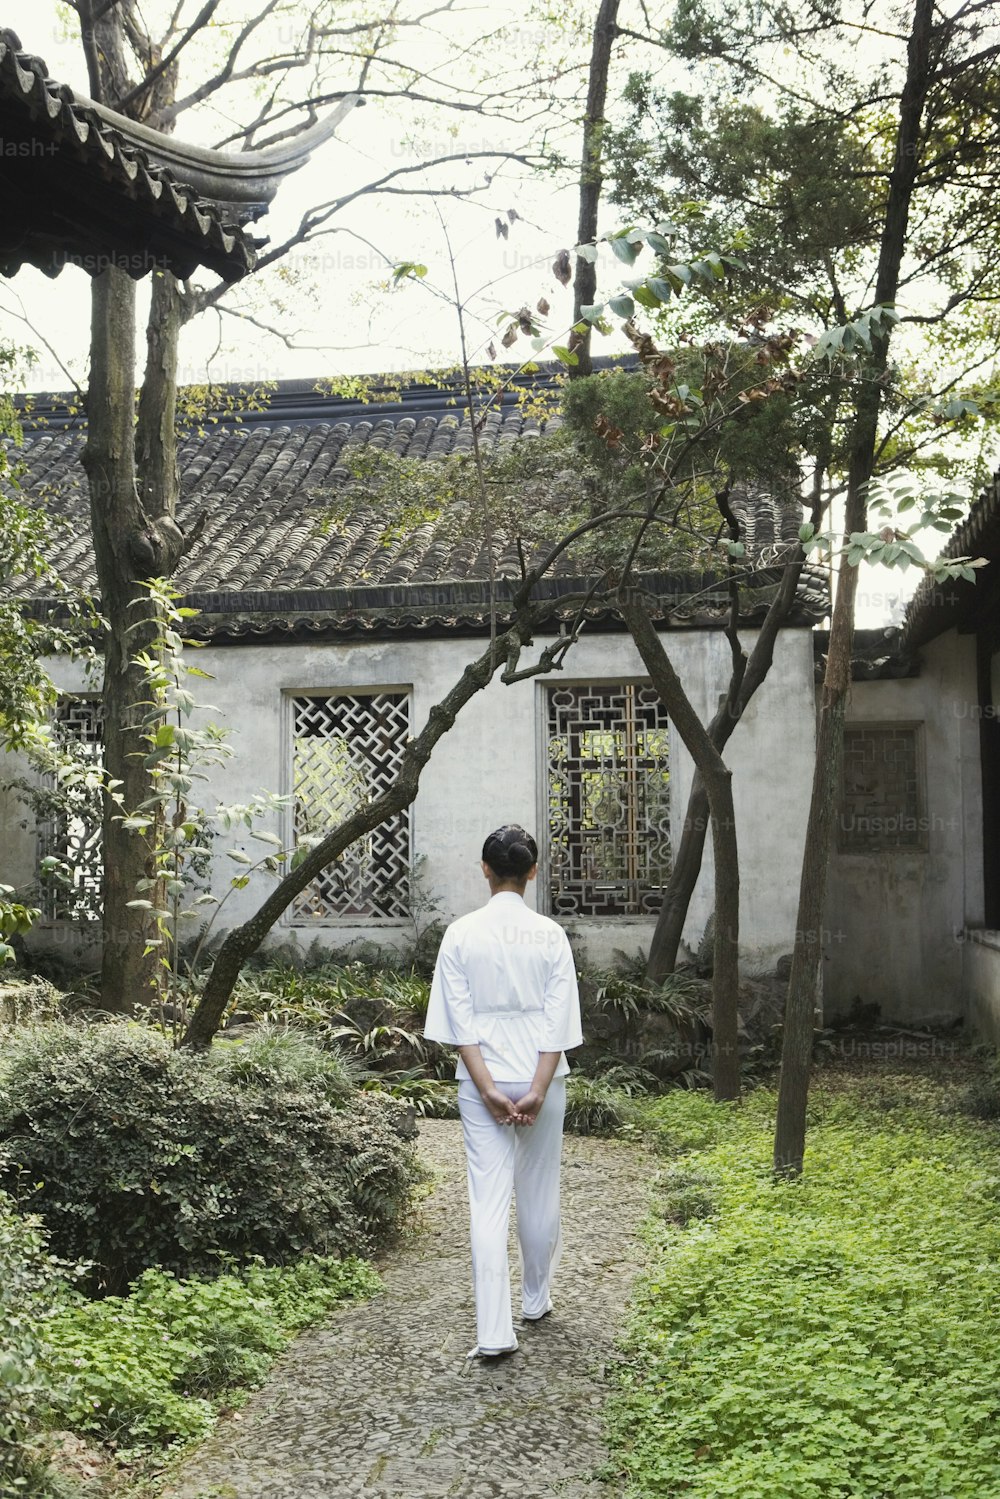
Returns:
point(380, 1403)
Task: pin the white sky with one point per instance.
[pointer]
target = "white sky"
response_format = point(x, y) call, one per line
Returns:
point(327, 298)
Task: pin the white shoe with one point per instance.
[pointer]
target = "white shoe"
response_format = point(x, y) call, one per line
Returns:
point(478, 1352)
point(526, 1318)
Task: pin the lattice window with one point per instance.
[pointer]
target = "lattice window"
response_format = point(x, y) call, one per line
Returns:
point(71, 832)
point(882, 806)
point(348, 749)
point(608, 800)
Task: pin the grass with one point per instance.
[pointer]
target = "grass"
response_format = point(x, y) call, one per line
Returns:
point(832, 1338)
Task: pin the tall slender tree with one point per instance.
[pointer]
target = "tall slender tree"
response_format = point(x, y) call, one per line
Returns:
point(859, 187)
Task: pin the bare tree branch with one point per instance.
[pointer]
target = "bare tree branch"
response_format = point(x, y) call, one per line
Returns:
point(198, 24)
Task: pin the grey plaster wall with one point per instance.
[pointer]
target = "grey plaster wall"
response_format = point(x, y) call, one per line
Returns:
point(489, 769)
point(895, 919)
point(982, 984)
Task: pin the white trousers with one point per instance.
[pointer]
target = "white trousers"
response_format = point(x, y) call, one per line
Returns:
point(503, 1159)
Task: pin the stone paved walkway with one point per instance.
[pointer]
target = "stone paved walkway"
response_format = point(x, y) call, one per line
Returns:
point(381, 1403)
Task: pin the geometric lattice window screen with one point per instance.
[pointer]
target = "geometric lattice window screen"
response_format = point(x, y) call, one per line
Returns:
point(882, 802)
point(608, 800)
point(72, 832)
point(347, 750)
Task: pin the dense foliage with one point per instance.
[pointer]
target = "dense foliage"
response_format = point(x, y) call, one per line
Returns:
point(141, 1372)
point(139, 1156)
point(27, 1278)
point(834, 1336)
point(640, 1038)
point(150, 1368)
point(793, 173)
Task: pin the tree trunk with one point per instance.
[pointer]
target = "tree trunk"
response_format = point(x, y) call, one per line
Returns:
point(717, 779)
point(129, 970)
point(156, 428)
point(803, 982)
point(591, 176)
point(690, 852)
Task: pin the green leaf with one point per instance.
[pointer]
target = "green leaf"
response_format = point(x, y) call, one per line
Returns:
point(565, 356)
point(592, 311)
point(645, 297)
point(408, 269)
point(623, 248)
point(622, 306)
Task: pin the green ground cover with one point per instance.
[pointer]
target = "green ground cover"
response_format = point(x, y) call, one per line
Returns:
point(168, 1221)
point(832, 1338)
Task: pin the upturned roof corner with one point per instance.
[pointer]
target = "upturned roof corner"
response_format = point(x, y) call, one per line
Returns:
point(85, 186)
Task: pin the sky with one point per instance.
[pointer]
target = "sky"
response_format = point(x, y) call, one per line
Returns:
point(331, 300)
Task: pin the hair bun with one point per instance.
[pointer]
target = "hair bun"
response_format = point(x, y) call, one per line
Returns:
point(510, 852)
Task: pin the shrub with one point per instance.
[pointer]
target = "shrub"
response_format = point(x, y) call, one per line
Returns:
point(151, 1367)
point(140, 1156)
point(593, 1107)
point(275, 1057)
point(27, 1277)
point(430, 1098)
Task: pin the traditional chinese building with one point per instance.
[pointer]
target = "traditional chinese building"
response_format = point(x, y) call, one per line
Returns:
point(328, 647)
point(913, 914)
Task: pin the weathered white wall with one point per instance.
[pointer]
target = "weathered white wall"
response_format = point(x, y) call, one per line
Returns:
point(488, 770)
point(982, 984)
point(895, 919)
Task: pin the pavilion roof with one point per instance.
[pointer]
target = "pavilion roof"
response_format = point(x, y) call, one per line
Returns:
point(78, 189)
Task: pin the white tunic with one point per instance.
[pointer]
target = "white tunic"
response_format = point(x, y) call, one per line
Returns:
point(505, 980)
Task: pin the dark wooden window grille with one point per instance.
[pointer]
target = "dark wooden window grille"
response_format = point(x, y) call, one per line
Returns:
point(882, 800)
point(608, 800)
point(71, 832)
point(347, 750)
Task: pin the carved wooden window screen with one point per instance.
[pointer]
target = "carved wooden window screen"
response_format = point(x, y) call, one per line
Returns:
point(72, 832)
point(882, 800)
point(347, 749)
point(608, 765)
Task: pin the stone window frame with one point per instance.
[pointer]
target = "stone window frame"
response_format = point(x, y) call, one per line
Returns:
point(295, 915)
point(545, 894)
point(878, 847)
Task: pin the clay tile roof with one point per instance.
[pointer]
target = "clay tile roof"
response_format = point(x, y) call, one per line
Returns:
point(936, 607)
point(76, 190)
point(266, 564)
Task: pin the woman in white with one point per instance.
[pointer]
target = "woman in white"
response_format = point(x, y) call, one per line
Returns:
point(505, 994)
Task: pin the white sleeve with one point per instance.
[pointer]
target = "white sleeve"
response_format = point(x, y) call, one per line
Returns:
point(450, 1016)
point(563, 1029)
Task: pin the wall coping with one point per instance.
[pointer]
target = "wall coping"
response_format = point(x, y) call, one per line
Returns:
point(983, 937)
